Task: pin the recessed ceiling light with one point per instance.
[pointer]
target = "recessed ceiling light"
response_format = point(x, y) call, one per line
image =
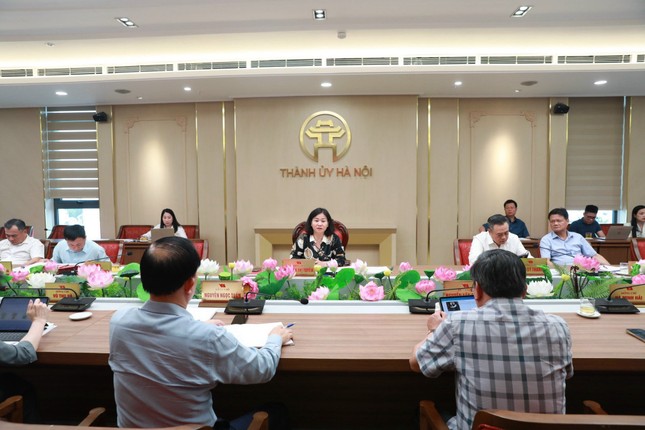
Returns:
point(140, 98)
point(521, 11)
point(601, 82)
point(50, 44)
point(61, 93)
point(187, 89)
point(326, 84)
point(458, 83)
point(517, 91)
point(126, 22)
point(319, 14)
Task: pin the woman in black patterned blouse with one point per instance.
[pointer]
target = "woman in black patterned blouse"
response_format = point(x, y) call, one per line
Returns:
point(319, 241)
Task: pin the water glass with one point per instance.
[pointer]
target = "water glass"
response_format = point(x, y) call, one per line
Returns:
point(587, 306)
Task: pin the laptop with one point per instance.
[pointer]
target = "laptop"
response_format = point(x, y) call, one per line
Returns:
point(457, 303)
point(159, 233)
point(14, 323)
point(618, 232)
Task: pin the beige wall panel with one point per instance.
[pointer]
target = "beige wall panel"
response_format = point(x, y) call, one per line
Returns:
point(444, 178)
point(231, 181)
point(383, 138)
point(503, 155)
point(22, 168)
point(105, 145)
point(636, 151)
point(423, 183)
point(155, 166)
point(558, 140)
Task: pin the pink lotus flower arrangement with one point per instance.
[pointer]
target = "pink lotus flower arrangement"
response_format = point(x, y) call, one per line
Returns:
point(285, 272)
point(638, 279)
point(425, 286)
point(405, 266)
point(95, 277)
point(250, 285)
point(19, 274)
point(443, 274)
point(360, 267)
point(321, 293)
point(269, 264)
point(371, 292)
point(50, 266)
point(588, 264)
point(242, 268)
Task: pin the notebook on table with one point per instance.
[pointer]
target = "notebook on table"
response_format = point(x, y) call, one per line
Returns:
point(14, 322)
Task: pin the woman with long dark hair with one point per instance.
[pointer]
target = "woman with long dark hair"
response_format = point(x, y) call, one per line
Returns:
point(319, 242)
point(638, 221)
point(168, 220)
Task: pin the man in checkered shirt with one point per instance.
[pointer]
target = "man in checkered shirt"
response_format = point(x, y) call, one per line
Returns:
point(505, 355)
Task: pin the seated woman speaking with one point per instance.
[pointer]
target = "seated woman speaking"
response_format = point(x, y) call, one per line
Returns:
point(168, 220)
point(319, 241)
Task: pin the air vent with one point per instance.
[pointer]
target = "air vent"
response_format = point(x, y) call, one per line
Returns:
point(303, 62)
point(594, 59)
point(142, 68)
point(513, 59)
point(436, 61)
point(369, 61)
point(222, 65)
point(70, 71)
point(640, 58)
point(16, 73)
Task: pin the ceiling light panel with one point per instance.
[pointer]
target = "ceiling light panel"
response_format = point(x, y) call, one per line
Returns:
point(320, 14)
point(521, 11)
point(126, 22)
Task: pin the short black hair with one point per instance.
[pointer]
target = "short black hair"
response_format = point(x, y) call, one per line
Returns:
point(20, 224)
point(500, 273)
point(591, 208)
point(167, 264)
point(559, 211)
point(497, 219)
point(510, 201)
point(73, 232)
point(330, 222)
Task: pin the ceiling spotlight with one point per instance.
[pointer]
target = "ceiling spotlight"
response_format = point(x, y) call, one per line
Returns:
point(126, 22)
point(601, 82)
point(320, 14)
point(61, 93)
point(326, 84)
point(187, 89)
point(140, 98)
point(458, 83)
point(517, 91)
point(521, 11)
point(342, 34)
point(50, 44)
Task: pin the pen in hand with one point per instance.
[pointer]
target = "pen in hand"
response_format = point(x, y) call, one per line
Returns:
point(290, 325)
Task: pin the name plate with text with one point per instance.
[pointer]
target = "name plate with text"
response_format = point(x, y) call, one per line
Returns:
point(532, 264)
point(59, 290)
point(304, 267)
point(635, 294)
point(457, 288)
point(104, 265)
point(8, 266)
point(221, 291)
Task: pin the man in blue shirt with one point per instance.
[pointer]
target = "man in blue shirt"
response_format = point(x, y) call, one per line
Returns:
point(561, 246)
point(587, 226)
point(515, 225)
point(165, 362)
point(76, 248)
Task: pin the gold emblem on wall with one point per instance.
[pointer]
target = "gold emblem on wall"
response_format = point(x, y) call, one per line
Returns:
point(325, 129)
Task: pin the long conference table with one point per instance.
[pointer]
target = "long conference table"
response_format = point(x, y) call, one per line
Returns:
point(346, 369)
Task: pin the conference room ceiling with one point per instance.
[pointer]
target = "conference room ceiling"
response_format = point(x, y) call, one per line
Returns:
point(410, 47)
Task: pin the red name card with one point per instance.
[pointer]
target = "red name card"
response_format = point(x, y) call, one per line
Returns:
point(59, 290)
point(532, 264)
point(635, 294)
point(302, 267)
point(221, 291)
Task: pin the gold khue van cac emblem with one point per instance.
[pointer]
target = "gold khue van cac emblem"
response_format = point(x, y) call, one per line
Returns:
point(325, 129)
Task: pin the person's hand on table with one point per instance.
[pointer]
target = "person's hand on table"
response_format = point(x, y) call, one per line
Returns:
point(216, 322)
point(285, 333)
point(37, 311)
point(435, 319)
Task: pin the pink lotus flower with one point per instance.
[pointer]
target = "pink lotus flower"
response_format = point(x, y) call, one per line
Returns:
point(19, 274)
point(371, 292)
point(425, 286)
point(251, 285)
point(242, 268)
point(100, 279)
point(321, 293)
point(360, 267)
point(51, 266)
point(466, 268)
point(269, 264)
point(444, 274)
point(589, 264)
point(332, 265)
point(285, 272)
point(1, 268)
point(405, 266)
point(638, 279)
point(85, 270)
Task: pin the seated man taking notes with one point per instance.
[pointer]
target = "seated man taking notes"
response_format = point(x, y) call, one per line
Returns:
point(166, 363)
point(505, 355)
point(77, 248)
point(561, 246)
point(497, 237)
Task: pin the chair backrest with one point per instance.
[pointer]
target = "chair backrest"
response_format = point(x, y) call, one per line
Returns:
point(56, 232)
point(509, 420)
point(192, 231)
point(201, 245)
point(339, 229)
point(113, 248)
point(11, 409)
point(133, 231)
point(638, 248)
point(461, 251)
point(49, 247)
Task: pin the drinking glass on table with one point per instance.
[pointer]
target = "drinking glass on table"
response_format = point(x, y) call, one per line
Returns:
point(587, 306)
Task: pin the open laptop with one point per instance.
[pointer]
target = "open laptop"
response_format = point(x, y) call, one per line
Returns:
point(159, 233)
point(618, 232)
point(457, 303)
point(14, 323)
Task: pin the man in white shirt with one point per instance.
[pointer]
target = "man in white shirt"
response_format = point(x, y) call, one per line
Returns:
point(77, 248)
point(19, 247)
point(498, 236)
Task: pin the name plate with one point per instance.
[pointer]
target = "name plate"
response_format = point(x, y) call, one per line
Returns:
point(59, 290)
point(635, 294)
point(457, 288)
point(303, 267)
point(104, 265)
point(221, 291)
point(8, 266)
point(532, 264)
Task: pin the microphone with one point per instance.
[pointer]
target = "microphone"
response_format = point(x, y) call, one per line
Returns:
point(619, 305)
point(251, 306)
point(427, 305)
point(71, 304)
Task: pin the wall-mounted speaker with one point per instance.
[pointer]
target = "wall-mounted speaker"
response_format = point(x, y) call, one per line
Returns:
point(103, 117)
point(560, 108)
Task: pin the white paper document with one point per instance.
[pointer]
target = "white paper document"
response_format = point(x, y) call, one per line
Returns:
point(253, 335)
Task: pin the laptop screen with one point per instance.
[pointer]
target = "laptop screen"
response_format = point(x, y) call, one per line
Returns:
point(13, 313)
point(458, 303)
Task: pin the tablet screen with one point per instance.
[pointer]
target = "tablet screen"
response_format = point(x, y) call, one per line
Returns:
point(458, 303)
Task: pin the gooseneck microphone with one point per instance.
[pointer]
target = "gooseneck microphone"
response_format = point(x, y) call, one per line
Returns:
point(619, 305)
point(251, 306)
point(427, 304)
